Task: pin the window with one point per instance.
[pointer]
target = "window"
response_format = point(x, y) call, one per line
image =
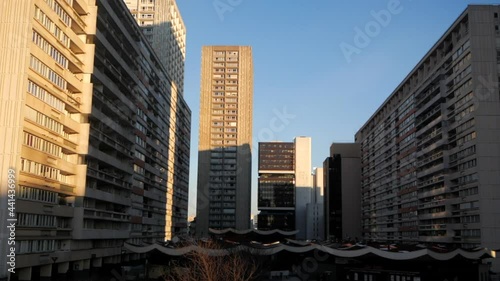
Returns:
point(42, 144)
point(45, 96)
point(51, 26)
point(34, 194)
point(35, 246)
point(43, 120)
point(48, 73)
point(139, 155)
point(59, 11)
point(49, 49)
point(139, 170)
point(38, 169)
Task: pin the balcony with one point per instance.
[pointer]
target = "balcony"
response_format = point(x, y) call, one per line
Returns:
point(106, 177)
point(105, 215)
point(432, 192)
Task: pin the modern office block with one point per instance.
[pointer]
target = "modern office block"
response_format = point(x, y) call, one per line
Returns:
point(90, 118)
point(342, 192)
point(430, 153)
point(161, 22)
point(285, 185)
point(225, 137)
point(276, 187)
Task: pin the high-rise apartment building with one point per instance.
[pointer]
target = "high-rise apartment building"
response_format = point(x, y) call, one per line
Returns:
point(342, 192)
point(430, 153)
point(225, 138)
point(285, 185)
point(161, 22)
point(90, 120)
point(164, 29)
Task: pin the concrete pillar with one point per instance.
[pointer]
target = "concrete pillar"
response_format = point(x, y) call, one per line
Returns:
point(46, 270)
point(24, 274)
point(97, 262)
point(63, 267)
point(86, 264)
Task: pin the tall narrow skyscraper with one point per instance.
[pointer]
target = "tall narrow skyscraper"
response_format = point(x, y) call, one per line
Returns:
point(224, 151)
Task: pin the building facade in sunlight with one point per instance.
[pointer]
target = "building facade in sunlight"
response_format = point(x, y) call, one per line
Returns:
point(225, 139)
point(430, 154)
point(161, 22)
point(164, 29)
point(90, 119)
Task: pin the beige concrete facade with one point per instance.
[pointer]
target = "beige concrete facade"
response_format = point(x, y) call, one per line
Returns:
point(225, 138)
point(92, 150)
point(161, 22)
point(430, 154)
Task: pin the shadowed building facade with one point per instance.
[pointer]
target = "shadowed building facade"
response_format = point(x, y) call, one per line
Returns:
point(430, 153)
point(225, 137)
point(164, 29)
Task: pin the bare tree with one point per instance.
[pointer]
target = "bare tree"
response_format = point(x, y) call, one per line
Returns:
point(200, 265)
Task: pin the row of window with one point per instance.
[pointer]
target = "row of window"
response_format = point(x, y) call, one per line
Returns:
point(461, 89)
point(52, 27)
point(469, 191)
point(47, 72)
point(462, 74)
point(463, 153)
point(36, 220)
point(41, 144)
point(466, 125)
point(463, 61)
point(460, 50)
point(43, 120)
point(141, 127)
point(59, 11)
point(469, 205)
point(218, 124)
point(30, 193)
point(35, 246)
point(138, 169)
point(464, 112)
point(221, 142)
point(139, 141)
point(140, 155)
point(469, 219)
point(466, 138)
point(464, 100)
point(45, 96)
point(39, 169)
point(467, 165)
point(468, 178)
point(229, 64)
point(49, 49)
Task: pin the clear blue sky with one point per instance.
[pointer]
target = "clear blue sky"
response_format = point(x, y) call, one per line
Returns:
point(299, 64)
